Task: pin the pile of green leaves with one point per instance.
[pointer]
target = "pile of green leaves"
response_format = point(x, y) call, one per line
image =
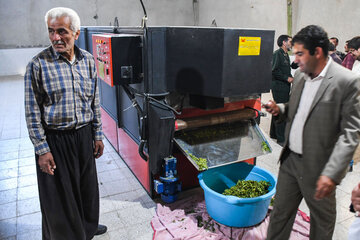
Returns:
point(201, 162)
point(265, 147)
point(248, 189)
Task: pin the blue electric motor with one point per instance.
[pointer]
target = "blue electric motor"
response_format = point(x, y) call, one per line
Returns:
point(169, 185)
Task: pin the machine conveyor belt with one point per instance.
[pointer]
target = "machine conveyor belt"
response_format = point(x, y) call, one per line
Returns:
point(223, 144)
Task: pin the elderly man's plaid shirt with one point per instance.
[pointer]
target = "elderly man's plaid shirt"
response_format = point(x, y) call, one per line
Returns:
point(60, 95)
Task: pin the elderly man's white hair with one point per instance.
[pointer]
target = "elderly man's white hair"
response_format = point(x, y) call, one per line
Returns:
point(64, 12)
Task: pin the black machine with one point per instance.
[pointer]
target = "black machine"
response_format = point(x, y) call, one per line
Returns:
point(163, 87)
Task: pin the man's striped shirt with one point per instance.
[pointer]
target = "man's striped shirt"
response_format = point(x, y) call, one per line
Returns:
point(60, 95)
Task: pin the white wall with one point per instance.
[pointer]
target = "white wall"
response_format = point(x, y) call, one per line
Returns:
point(23, 24)
point(14, 61)
point(339, 18)
point(22, 21)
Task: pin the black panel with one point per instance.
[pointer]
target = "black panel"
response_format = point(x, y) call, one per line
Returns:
point(205, 61)
point(128, 116)
point(161, 133)
point(127, 58)
point(108, 99)
point(205, 102)
point(156, 61)
point(246, 75)
point(194, 60)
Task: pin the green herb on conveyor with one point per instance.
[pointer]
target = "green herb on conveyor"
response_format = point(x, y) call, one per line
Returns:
point(265, 147)
point(201, 162)
point(248, 189)
point(213, 133)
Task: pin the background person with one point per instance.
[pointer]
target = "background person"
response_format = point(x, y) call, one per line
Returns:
point(64, 123)
point(354, 46)
point(333, 55)
point(281, 82)
point(323, 125)
point(349, 59)
point(335, 41)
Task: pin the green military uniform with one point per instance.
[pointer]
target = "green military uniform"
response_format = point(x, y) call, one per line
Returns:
point(280, 88)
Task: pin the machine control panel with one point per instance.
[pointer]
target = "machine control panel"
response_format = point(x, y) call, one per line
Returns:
point(118, 58)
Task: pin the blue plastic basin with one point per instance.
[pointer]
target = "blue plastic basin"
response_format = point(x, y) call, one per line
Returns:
point(230, 210)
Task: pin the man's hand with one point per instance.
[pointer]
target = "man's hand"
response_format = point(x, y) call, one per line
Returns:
point(290, 79)
point(46, 163)
point(355, 197)
point(98, 148)
point(324, 187)
point(272, 108)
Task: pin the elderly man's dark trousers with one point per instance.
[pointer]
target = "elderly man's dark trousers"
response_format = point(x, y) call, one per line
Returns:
point(69, 200)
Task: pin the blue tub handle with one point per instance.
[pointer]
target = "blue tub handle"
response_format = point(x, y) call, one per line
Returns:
point(232, 199)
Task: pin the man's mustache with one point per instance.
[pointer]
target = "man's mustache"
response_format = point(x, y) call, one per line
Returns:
point(57, 42)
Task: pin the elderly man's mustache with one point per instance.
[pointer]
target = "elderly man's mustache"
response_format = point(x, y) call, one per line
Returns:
point(57, 42)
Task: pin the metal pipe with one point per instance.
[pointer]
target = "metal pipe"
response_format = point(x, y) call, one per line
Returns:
point(218, 118)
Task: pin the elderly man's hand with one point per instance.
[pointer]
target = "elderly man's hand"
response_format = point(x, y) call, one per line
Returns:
point(98, 148)
point(47, 163)
point(324, 187)
point(272, 108)
point(355, 197)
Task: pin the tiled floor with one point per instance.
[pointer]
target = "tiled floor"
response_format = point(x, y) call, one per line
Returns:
point(125, 207)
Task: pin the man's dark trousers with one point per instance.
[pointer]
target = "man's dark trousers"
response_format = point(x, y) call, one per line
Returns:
point(69, 200)
point(280, 91)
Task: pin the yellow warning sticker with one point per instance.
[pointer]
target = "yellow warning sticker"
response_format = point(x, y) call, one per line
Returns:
point(249, 46)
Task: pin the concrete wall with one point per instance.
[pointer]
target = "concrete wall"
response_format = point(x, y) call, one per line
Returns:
point(265, 14)
point(14, 61)
point(340, 18)
point(23, 25)
point(22, 21)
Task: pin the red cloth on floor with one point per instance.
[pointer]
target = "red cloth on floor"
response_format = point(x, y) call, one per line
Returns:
point(179, 221)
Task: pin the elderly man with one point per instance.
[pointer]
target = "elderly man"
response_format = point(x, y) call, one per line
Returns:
point(64, 123)
point(322, 133)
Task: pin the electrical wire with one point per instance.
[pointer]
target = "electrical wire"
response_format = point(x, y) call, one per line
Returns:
point(142, 4)
point(165, 105)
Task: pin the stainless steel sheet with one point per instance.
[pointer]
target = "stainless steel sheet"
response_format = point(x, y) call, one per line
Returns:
point(223, 144)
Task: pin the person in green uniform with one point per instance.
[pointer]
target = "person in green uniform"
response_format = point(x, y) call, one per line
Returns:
point(281, 82)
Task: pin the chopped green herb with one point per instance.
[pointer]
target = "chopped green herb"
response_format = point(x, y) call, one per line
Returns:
point(200, 222)
point(248, 189)
point(201, 162)
point(208, 225)
point(265, 147)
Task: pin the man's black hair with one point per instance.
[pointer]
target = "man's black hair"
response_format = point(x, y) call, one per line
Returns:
point(282, 38)
point(311, 37)
point(354, 43)
point(336, 39)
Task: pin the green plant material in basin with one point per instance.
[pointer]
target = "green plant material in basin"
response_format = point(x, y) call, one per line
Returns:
point(248, 189)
